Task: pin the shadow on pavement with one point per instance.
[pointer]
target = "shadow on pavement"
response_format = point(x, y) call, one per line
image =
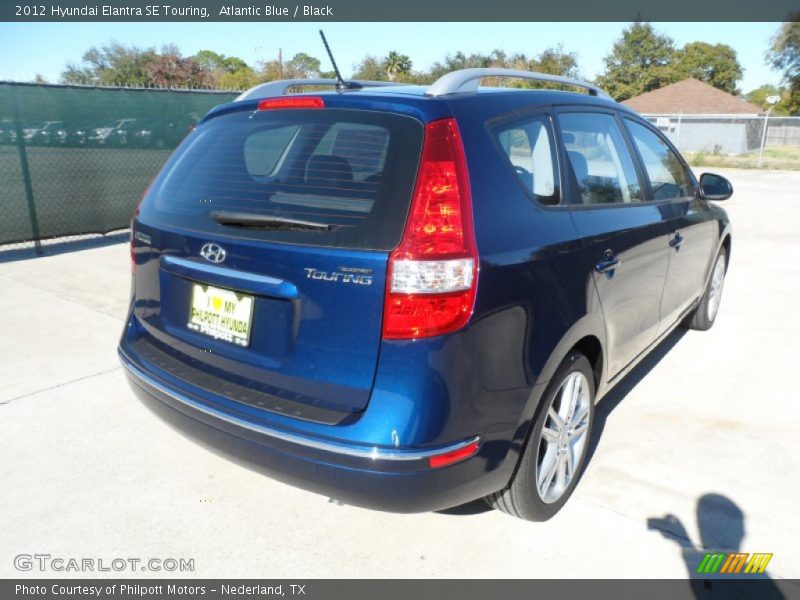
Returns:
point(625, 386)
point(475, 507)
point(721, 524)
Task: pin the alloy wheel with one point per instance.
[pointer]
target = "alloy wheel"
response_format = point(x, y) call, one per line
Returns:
point(563, 438)
point(715, 291)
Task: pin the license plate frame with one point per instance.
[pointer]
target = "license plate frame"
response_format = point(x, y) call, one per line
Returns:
point(221, 314)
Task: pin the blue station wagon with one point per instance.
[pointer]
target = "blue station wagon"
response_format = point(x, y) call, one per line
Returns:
point(412, 297)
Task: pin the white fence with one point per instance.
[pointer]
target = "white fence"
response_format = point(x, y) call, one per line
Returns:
point(728, 134)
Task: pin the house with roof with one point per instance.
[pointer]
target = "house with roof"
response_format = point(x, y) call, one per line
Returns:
point(697, 117)
point(691, 96)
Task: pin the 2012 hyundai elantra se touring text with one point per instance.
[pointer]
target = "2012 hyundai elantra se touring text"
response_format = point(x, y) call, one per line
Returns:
point(411, 297)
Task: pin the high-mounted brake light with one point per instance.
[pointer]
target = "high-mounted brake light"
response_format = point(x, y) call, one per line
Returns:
point(291, 102)
point(432, 274)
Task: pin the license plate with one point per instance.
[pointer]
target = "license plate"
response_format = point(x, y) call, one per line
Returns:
point(221, 314)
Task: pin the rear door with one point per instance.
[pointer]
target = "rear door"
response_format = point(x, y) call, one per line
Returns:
point(692, 231)
point(625, 237)
point(261, 254)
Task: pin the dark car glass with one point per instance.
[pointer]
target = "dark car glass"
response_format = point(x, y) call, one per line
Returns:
point(352, 171)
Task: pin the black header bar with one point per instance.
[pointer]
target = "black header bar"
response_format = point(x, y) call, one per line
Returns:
point(403, 11)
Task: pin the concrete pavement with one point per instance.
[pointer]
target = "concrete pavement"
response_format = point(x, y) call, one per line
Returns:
point(708, 425)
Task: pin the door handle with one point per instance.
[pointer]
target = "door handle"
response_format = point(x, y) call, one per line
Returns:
point(608, 264)
point(675, 242)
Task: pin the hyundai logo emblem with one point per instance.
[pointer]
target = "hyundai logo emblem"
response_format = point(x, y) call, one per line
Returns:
point(213, 252)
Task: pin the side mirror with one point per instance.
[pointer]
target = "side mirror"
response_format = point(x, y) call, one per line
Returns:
point(715, 187)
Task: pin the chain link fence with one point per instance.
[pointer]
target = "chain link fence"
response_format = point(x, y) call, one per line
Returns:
point(75, 160)
point(734, 140)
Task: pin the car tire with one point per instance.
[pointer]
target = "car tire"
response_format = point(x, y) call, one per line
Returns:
point(706, 312)
point(551, 465)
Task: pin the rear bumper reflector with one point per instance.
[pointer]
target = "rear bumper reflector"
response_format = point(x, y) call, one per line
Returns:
point(453, 456)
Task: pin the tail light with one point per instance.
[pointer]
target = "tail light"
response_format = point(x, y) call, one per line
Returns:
point(432, 274)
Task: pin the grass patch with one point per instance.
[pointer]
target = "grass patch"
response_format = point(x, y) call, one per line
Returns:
point(781, 158)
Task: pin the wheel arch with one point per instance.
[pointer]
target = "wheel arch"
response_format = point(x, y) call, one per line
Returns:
point(726, 243)
point(586, 336)
point(592, 349)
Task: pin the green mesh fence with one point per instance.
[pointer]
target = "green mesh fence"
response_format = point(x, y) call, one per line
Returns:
point(75, 160)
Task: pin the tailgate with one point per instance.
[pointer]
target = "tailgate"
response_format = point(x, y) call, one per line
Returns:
point(261, 252)
point(314, 327)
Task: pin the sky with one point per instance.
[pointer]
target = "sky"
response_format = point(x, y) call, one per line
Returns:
point(44, 48)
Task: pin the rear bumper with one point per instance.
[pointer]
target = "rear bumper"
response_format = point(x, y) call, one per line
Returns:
point(392, 479)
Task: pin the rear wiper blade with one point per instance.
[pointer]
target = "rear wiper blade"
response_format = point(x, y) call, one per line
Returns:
point(254, 220)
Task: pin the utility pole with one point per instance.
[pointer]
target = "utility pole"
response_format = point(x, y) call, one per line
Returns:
point(771, 101)
point(280, 63)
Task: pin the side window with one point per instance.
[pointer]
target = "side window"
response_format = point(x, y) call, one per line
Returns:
point(599, 157)
point(529, 147)
point(667, 176)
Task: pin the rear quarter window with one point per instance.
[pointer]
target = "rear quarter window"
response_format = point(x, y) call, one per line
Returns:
point(350, 170)
point(529, 147)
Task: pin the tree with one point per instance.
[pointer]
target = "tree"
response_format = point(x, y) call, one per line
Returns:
point(116, 64)
point(226, 72)
point(112, 64)
point(459, 60)
point(640, 61)
point(78, 75)
point(759, 97)
point(370, 68)
point(172, 70)
point(396, 64)
point(210, 60)
point(784, 54)
point(270, 70)
point(232, 64)
point(715, 64)
point(302, 66)
point(552, 61)
point(241, 79)
point(555, 61)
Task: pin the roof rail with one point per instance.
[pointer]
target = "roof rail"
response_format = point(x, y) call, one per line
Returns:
point(468, 80)
point(279, 88)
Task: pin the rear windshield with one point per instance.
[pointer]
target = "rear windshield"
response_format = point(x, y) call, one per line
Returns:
point(350, 171)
